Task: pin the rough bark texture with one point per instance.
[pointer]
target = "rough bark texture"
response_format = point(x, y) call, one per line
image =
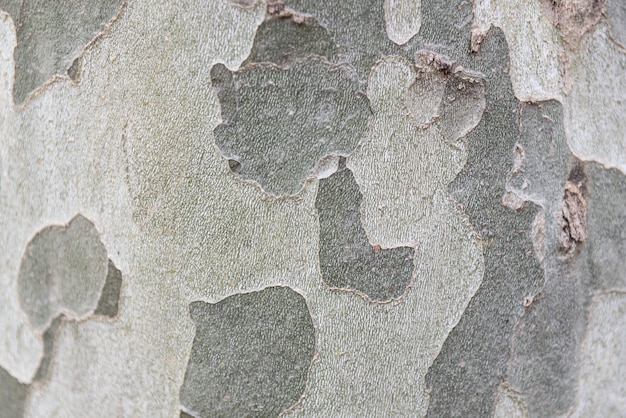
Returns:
point(309, 208)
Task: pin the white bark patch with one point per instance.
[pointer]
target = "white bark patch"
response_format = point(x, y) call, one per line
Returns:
point(510, 404)
point(403, 19)
point(601, 386)
point(594, 109)
point(534, 45)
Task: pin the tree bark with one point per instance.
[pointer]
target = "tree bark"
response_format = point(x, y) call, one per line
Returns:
point(305, 208)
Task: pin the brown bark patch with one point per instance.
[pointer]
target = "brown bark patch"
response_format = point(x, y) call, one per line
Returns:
point(573, 222)
point(573, 18)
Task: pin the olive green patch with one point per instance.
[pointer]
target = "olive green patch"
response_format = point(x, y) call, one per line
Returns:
point(251, 354)
point(63, 271)
point(278, 123)
point(51, 35)
point(347, 259)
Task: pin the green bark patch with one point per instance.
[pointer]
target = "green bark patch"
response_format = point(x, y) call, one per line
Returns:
point(347, 259)
point(12, 396)
point(63, 271)
point(251, 354)
point(52, 35)
point(278, 123)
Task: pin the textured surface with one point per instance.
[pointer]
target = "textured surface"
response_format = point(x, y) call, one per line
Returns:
point(279, 123)
point(484, 145)
point(602, 365)
point(63, 271)
point(402, 19)
point(51, 35)
point(347, 259)
point(250, 356)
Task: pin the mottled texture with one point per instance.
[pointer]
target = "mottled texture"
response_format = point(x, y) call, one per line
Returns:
point(278, 123)
point(357, 27)
point(347, 259)
point(547, 345)
point(51, 35)
point(63, 271)
point(130, 144)
point(544, 363)
point(464, 378)
point(250, 356)
point(48, 349)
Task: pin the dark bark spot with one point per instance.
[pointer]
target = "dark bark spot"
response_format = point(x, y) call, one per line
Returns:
point(250, 356)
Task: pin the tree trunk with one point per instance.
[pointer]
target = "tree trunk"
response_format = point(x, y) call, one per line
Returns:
point(309, 208)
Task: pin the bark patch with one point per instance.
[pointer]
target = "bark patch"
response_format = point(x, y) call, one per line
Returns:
point(51, 35)
point(347, 259)
point(12, 396)
point(573, 222)
point(278, 123)
point(573, 18)
point(63, 271)
point(250, 356)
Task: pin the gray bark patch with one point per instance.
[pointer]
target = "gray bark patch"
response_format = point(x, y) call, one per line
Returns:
point(284, 40)
point(357, 28)
point(616, 14)
point(51, 35)
point(464, 378)
point(12, 396)
point(63, 271)
point(606, 222)
point(347, 259)
point(278, 123)
point(251, 354)
point(545, 344)
point(49, 337)
point(109, 299)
